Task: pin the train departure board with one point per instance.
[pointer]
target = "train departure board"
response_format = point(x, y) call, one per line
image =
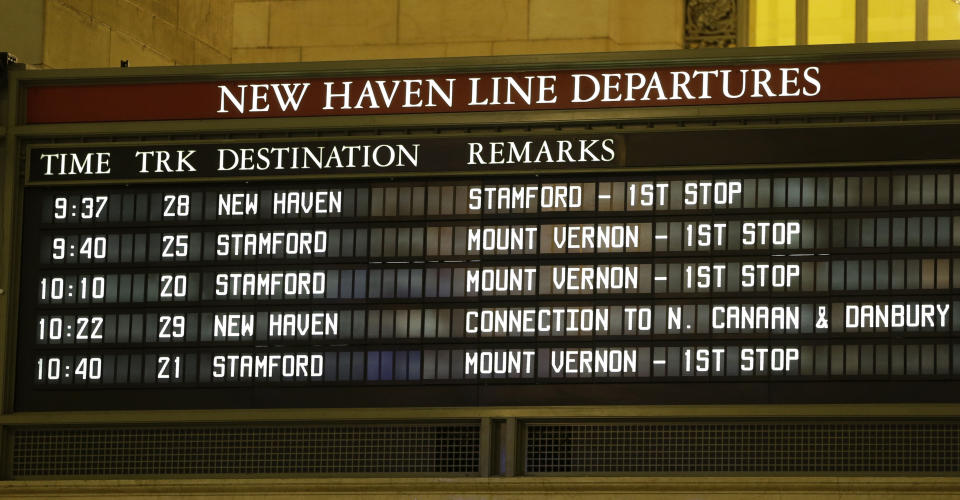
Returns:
point(586, 265)
point(668, 285)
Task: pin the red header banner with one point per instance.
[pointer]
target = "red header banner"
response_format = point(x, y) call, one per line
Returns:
point(513, 91)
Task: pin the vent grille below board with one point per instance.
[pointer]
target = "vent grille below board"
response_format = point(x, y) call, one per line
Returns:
point(817, 448)
point(432, 449)
point(289, 449)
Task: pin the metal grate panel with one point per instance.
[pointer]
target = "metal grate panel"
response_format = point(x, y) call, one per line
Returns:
point(422, 448)
point(835, 447)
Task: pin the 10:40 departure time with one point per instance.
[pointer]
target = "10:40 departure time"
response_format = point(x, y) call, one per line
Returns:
point(83, 368)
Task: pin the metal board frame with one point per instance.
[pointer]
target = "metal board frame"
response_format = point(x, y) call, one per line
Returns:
point(20, 136)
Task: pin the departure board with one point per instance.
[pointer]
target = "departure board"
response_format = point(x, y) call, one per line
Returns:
point(313, 274)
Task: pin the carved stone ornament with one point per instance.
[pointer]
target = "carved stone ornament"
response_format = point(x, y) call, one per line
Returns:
point(710, 23)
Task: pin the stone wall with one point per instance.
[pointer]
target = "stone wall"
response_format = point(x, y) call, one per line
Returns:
point(323, 30)
point(101, 33)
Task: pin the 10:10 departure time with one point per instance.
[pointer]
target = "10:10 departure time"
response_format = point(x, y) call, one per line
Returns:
point(88, 287)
